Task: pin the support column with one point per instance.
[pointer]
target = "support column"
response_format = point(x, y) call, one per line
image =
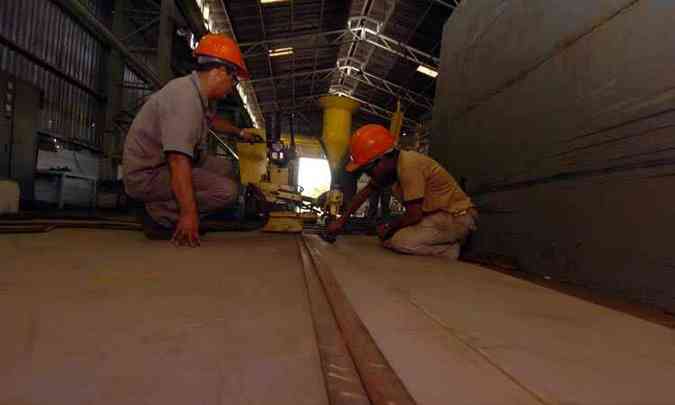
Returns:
point(167, 27)
point(112, 78)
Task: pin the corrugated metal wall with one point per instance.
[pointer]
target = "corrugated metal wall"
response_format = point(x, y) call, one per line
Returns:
point(135, 90)
point(46, 31)
point(561, 115)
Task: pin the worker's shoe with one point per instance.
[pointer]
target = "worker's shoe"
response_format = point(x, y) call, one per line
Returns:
point(255, 203)
point(154, 230)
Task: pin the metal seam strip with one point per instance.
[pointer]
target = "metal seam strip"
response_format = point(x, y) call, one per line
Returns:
point(343, 383)
point(383, 385)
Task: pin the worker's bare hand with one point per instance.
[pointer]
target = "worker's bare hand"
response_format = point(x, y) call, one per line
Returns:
point(187, 231)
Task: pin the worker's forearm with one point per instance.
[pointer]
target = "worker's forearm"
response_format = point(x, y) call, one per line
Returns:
point(358, 201)
point(181, 184)
point(224, 126)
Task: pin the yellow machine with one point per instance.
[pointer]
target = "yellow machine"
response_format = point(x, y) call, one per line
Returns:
point(271, 165)
point(337, 129)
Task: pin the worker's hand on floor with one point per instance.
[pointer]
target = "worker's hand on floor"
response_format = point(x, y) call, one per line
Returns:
point(187, 231)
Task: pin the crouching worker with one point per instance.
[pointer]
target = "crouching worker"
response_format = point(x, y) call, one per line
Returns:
point(165, 163)
point(438, 214)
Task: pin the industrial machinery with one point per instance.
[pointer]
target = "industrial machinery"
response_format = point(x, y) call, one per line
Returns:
point(270, 164)
point(337, 129)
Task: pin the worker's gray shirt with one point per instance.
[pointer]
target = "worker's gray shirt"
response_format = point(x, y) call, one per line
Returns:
point(174, 119)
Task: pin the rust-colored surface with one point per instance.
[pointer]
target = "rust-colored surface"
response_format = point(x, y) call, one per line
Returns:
point(343, 383)
point(383, 385)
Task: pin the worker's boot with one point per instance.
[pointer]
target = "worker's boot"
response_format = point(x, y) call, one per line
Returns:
point(154, 230)
point(255, 203)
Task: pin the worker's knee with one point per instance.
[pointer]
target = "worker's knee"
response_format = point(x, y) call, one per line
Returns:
point(218, 193)
point(402, 242)
point(224, 193)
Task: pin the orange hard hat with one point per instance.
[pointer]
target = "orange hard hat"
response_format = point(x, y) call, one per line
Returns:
point(369, 143)
point(222, 48)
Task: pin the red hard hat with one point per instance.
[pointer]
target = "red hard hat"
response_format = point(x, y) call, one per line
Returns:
point(368, 143)
point(223, 48)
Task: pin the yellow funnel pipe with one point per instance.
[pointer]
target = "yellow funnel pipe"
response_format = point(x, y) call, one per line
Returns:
point(396, 122)
point(337, 127)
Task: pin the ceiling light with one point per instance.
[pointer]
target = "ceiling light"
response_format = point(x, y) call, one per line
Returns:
point(427, 71)
point(272, 1)
point(281, 52)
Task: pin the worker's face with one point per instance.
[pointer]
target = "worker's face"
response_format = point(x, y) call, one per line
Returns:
point(383, 172)
point(222, 82)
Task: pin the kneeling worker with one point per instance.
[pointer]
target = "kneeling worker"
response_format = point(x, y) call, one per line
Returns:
point(165, 149)
point(438, 214)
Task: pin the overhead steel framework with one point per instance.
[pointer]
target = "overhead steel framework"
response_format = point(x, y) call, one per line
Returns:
point(302, 103)
point(352, 68)
point(374, 109)
point(131, 46)
point(355, 69)
point(358, 29)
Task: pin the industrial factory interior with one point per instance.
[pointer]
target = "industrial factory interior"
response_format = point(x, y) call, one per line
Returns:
point(344, 202)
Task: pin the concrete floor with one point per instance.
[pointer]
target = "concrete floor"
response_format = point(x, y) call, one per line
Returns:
point(107, 317)
point(461, 332)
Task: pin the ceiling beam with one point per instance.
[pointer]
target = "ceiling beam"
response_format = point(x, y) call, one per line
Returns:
point(257, 48)
point(374, 109)
point(290, 104)
point(356, 74)
point(316, 50)
point(311, 103)
point(389, 13)
point(358, 29)
point(355, 69)
point(193, 16)
point(295, 75)
point(268, 58)
point(369, 30)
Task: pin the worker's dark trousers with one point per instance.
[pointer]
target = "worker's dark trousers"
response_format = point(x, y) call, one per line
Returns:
point(214, 192)
point(439, 234)
point(379, 198)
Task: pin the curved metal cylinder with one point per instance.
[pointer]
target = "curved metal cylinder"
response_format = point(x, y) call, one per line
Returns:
point(337, 127)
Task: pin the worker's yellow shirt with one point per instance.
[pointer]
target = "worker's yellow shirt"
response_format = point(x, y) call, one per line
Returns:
point(421, 177)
